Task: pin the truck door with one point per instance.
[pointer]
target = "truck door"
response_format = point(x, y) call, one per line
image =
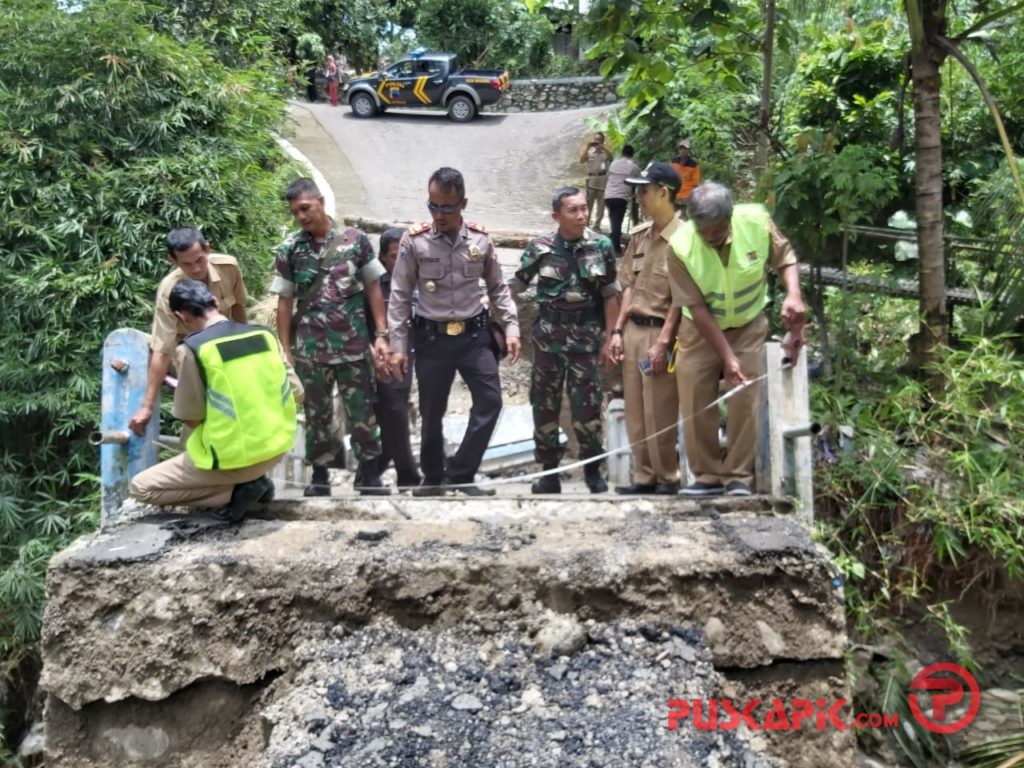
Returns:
point(432, 77)
point(396, 87)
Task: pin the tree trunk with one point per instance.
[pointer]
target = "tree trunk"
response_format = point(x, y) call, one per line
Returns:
point(764, 109)
point(927, 19)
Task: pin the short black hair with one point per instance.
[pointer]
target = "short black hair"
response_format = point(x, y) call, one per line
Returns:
point(300, 187)
point(389, 236)
point(192, 297)
point(181, 239)
point(447, 179)
point(560, 195)
point(627, 150)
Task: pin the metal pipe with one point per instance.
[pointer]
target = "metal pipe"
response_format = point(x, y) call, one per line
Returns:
point(801, 430)
point(109, 437)
point(169, 441)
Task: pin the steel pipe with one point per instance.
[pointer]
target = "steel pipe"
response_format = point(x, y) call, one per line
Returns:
point(109, 437)
point(801, 430)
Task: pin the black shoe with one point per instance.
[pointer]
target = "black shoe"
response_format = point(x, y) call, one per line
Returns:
point(368, 481)
point(636, 488)
point(699, 489)
point(666, 489)
point(428, 489)
point(547, 484)
point(268, 491)
point(468, 489)
point(411, 481)
point(737, 488)
point(243, 497)
point(592, 477)
point(320, 485)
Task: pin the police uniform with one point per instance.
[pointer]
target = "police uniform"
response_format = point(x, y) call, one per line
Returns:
point(752, 246)
point(199, 476)
point(652, 401)
point(451, 334)
point(573, 279)
point(597, 178)
point(224, 279)
point(331, 341)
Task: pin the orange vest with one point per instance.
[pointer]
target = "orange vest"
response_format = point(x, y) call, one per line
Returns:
point(690, 176)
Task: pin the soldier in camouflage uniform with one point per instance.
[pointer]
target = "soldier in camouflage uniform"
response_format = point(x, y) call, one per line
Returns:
point(578, 295)
point(328, 268)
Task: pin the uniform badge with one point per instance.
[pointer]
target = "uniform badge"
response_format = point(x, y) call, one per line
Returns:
point(752, 256)
point(431, 286)
point(475, 254)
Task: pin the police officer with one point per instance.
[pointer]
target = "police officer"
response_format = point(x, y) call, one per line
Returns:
point(193, 258)
point(596, 158)
point(645, 331)
point(235, 394)
point(328, 268)
point(446, 261)
point(579, 298)
point(719, 278)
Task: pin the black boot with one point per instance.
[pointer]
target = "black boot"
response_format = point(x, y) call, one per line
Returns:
point(243, 496)
point(368, 481)
point(320, 484)
point(592, 477)
point(547, 483)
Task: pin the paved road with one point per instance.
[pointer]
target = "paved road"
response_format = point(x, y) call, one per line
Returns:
point(512, 163)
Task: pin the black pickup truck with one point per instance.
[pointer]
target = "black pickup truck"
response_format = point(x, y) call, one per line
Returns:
point(426, 79)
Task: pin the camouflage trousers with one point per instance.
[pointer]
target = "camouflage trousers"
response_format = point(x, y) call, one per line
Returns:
point(577, 372)
point(355, 382)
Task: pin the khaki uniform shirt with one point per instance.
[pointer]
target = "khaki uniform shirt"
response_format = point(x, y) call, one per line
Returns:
point(645, 269)
point(685, 292)
point(225, 282)
point(447, 273)
point(190, 394)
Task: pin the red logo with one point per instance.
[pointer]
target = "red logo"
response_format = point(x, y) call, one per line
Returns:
point(946, 692)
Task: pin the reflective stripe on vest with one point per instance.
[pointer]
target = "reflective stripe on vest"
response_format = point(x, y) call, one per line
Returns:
point(735, 294)
point(250, 410)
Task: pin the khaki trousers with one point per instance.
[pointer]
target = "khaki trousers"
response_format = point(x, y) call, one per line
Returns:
point(179, 482)
point(652, 404)
point(698, 371)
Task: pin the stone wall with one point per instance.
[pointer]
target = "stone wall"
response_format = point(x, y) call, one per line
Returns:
point(559, 93)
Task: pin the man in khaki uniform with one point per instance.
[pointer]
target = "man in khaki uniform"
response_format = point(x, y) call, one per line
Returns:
point(446, 262)
point(191, 256)
point(719, 279)
point(596, 157)
point(229, 492)
point(646, 330)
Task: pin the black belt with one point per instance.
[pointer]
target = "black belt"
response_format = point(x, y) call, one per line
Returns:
point(571, 316)
point(452, 327)
point(647, 320)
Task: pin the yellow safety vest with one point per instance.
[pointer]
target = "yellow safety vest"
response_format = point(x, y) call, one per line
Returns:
point(250, 410)
point(737, 293)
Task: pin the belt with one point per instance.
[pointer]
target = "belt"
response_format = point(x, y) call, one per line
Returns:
point(571, 316)
point(647, 320)
point(453, 327)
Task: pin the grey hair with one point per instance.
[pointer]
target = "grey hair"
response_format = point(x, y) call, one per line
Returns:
point(710, 202)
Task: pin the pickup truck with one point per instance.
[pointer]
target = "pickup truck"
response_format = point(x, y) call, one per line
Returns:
point(426, 79)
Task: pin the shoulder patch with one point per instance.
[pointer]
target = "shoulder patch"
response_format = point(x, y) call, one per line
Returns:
point(476, 227)
point(641, 227)
point(419, 229)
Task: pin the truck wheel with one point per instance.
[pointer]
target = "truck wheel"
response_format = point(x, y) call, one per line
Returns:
point(362, 105)
point(461, 109)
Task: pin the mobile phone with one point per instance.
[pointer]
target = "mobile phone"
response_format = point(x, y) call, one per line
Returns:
point(644, 364)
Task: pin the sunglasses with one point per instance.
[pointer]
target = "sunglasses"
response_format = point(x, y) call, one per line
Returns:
point(445, 209)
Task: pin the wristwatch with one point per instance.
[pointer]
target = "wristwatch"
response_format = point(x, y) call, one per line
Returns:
point(382, 335)
point(616, 331)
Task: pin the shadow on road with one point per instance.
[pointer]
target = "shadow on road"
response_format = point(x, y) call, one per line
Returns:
point(430, 117)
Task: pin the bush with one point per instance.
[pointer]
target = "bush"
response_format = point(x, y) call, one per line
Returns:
point(110, 134)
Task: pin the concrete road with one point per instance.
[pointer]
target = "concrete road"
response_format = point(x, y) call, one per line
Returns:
point(512, 162)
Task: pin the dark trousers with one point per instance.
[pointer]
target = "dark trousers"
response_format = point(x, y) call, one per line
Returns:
point(392, 410)
point(616, 213)
point(438, 357)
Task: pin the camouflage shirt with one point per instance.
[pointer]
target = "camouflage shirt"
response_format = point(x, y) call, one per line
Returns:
point(570, 274)
point(334, 327)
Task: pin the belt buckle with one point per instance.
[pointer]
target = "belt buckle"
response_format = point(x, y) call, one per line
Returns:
point(455, 328)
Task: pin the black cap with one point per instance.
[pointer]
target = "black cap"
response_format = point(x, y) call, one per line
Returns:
point(658, 173)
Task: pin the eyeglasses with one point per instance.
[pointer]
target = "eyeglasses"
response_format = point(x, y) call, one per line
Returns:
point(445, 209)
